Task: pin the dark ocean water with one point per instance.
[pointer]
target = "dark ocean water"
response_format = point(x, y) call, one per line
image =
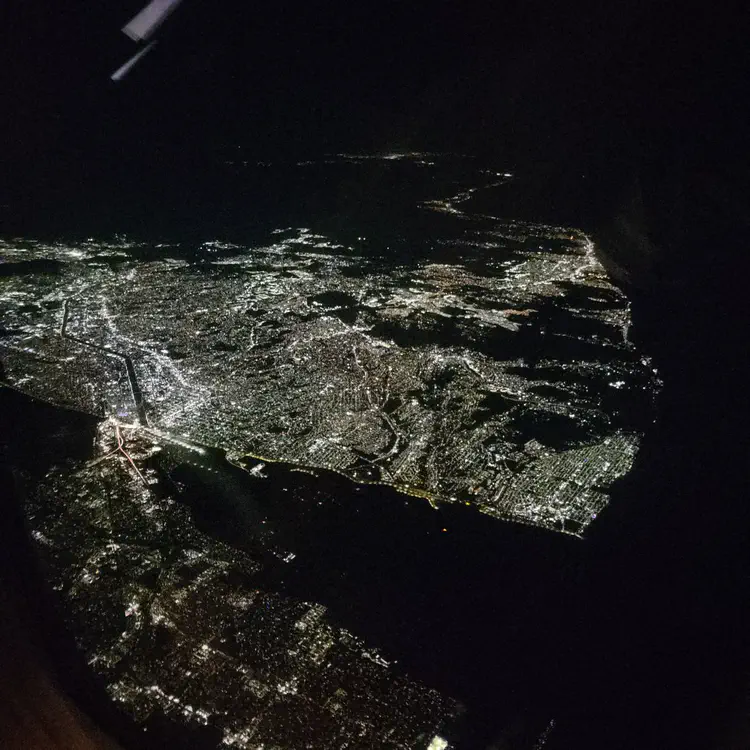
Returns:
point(469, 605)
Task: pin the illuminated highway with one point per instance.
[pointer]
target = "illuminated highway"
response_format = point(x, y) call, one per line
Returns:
point(132, 378)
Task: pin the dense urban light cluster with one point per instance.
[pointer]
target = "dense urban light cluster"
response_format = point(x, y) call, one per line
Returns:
point(505, 382)
point(490, 369)
point(177, 625)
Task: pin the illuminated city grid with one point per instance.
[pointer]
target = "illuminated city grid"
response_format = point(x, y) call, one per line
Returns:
point(494, 372)
point(305, 351)
point(175, 623)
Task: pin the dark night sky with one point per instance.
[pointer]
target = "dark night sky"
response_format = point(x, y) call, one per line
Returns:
point(288, 75)
point(579, 86)
point(267, 73)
